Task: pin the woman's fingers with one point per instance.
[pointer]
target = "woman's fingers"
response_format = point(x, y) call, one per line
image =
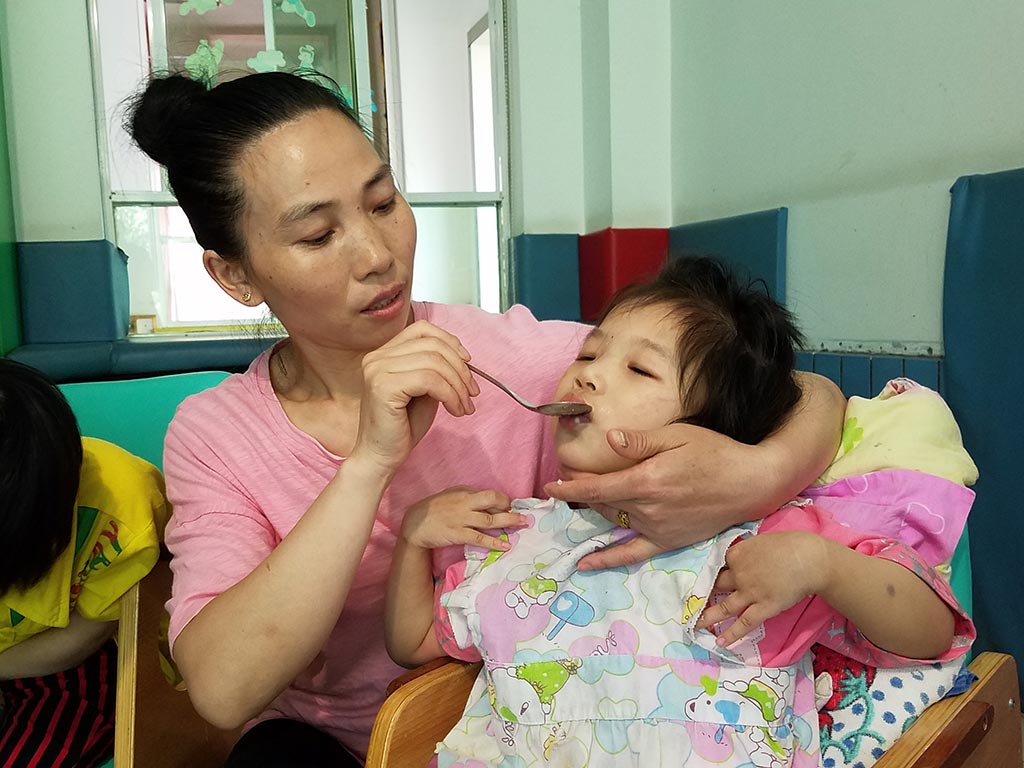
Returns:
point(419, 372)
point(627, 553)
point(422, 332)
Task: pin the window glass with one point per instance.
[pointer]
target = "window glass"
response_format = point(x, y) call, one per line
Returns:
point(165, 257)
point(457, 255)
point(434, 82)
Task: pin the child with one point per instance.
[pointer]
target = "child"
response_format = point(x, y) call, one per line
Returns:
point(646, 665)
point(79, 519)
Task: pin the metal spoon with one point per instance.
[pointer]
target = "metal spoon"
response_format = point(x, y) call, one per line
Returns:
point(548, 409)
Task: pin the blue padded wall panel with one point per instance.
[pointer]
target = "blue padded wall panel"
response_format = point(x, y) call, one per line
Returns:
point(864, 375)
point(923, 370)
point(73, 291)
point(546, 275)
point(805, 361)
point(753, 243)
point(983, 379)
point(67, 362)
point(883, 370)
point(829, 366)
point(855, 375)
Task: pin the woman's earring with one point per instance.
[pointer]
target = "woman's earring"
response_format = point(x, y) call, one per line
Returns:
point(247, 296)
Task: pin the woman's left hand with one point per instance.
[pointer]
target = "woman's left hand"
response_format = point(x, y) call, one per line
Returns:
point(691, 483)
point(764, 576)
point(677, 494)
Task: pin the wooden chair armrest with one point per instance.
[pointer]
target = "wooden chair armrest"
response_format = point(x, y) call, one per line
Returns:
point(422, 706)
point(127, 679)
point(977, 729)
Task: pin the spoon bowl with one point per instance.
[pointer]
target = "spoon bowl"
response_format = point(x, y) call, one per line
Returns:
point(548, 409)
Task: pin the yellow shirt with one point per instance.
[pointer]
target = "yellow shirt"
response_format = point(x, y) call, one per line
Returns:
point(120, 514)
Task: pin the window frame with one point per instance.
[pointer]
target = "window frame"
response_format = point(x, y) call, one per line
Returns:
point(358, 13)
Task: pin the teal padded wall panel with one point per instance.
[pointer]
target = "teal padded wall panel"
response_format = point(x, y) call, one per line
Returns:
point(754, 244)
point(883, 370)
point(983, 379)
point(546, 275)
point(73, 291)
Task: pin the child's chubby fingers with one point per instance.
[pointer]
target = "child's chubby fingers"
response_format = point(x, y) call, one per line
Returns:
point(745, 622)
point(506, 519)
point(489, 500)
point(485, 540)
point(733, 604)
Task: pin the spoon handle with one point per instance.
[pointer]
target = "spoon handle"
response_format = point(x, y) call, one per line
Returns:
point(500, 386)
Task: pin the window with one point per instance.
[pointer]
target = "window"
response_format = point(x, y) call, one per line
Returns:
point(431, 108)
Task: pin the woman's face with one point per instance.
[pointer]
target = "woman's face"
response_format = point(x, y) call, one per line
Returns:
point(329, 239)
point(627, 371)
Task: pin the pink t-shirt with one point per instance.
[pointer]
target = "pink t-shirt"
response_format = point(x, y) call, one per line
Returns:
point(240, 475)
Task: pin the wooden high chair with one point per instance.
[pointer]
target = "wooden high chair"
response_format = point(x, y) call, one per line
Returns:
point(978, 729)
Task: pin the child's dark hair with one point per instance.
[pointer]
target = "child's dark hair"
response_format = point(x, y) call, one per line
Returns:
point(737, 346)
point(40, 462)
point(199, 134)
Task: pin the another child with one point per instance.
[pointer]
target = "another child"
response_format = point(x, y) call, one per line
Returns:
point(698, 656)
point(80, 521)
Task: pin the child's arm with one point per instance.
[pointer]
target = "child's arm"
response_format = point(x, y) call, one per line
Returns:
point(56, 649)
point(890, 605)
point(455, 516)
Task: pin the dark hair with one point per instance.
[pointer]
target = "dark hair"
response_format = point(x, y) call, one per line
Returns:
point(40, 463)
point(737, 346)
point(199, 135)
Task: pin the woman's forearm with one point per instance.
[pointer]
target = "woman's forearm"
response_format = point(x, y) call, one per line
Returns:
point(56, 649)
point(248, 644)
point(800, 450)
point(409, 619)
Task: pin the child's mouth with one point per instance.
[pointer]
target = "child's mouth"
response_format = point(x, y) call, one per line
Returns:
point(574, 422)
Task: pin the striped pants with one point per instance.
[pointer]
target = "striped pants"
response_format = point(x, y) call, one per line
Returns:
point(63, 720)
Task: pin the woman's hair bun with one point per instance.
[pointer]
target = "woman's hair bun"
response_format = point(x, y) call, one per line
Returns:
point(155, 115)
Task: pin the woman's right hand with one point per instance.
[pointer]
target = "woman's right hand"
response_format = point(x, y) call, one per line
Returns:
point(459, 515)
point(403, 382)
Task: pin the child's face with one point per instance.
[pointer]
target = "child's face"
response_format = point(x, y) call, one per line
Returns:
point(628, 372)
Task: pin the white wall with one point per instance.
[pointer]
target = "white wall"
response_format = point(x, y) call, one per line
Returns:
point(596, 95)
point(546, 120)
point(51, 122)
point(858, 117)
point(434, 92)
point(640, 77)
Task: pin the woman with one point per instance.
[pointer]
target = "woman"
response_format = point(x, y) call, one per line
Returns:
point(281, 546)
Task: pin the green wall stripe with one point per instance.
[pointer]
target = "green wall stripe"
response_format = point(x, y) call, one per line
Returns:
point(10, 319)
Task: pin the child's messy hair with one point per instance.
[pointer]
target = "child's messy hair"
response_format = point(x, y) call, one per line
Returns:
point(40, 463)
point(737, 346)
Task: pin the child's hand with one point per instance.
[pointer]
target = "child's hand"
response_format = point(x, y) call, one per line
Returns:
point(766, 575)
point(458, 516)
